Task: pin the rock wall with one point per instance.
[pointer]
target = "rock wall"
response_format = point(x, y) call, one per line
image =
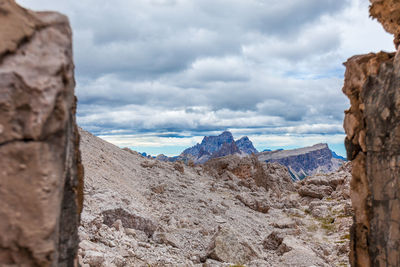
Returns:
point(372, 125)
point(41, 175)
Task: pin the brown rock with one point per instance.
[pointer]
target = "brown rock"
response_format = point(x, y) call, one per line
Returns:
point(259, 204)
point(41, 177)
point(179, 167)
point(387, 12)
point(271, 176)
point(314, 191)
point(372, 125)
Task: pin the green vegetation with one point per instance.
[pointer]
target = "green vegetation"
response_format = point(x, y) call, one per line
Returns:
point(327, 223)
point(347, 237)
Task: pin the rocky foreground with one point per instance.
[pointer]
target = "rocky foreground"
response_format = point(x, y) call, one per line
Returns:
point(232, 210)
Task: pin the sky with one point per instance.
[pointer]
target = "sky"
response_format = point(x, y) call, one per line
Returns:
point(158, 75)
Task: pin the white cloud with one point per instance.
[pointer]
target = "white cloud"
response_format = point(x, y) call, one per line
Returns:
point(264, 67)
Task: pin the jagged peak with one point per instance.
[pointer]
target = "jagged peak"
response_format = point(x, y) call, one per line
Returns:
point(244, 138)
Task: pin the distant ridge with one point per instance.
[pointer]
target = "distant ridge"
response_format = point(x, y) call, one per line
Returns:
point(301, 162)
point(305, 161)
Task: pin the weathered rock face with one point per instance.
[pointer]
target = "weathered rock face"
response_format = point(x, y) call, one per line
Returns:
point(372, 124)
point(41, 177)
point(271, 176)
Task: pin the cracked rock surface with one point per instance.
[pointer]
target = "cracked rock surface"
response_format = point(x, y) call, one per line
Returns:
point(41, 178)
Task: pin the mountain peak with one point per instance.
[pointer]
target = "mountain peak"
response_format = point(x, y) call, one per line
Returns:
point(226, 133)
point(245, 145)
point(217, 146)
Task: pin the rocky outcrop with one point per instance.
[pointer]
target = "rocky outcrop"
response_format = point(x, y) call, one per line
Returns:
point(271, 176)
point(41, 177)
point(332, 185)
point(372, 125)
point(304, 161)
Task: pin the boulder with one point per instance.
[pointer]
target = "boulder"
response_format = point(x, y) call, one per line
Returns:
point(228, 246)
point(41, 177)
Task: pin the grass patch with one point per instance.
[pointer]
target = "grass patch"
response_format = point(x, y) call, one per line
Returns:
point(327, 223)
point(347, 237)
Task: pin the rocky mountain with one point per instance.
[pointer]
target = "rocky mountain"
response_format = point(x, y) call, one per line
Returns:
point(233, 210)
point(244, 144)
point(305, 161)
point(209, 144)
point(213, 147)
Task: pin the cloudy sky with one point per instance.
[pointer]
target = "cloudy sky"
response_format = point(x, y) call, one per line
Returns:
point(158, 75)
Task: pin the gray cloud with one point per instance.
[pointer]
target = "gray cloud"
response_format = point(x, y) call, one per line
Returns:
point(197, 67)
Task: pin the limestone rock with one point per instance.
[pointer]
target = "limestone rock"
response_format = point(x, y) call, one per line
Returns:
point(254, 203)
point(226, 246)
point(372, 125)
point(314, 191)
point(270, 176)
point(41, 177)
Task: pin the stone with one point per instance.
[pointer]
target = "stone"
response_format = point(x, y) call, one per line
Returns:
point(227, 246)
point(129, 220)
point(41, 178)
point(314, 191)
point(273, 241)
point(94, 258)
point(167, 239)
point(257, 204)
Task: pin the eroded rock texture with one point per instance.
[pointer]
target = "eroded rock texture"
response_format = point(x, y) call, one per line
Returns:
point(372, 124)
point(41, 177)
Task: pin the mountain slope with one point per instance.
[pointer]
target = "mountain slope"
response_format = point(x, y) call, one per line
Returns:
point(141, 212)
